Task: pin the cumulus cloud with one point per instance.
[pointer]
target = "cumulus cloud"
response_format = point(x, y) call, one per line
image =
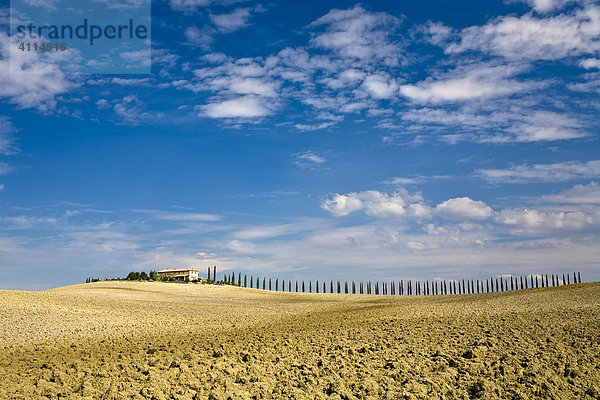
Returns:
point(131, 111)
point(578, 194)
point(464, 208)
point(241, 107)
point(377, 204)
point(534, 38)
point(556, 172)
point(359, 34)
point(232, 21)
point(526, 221)
point(380, 87)
point(545, 126)
point(466, 83)
point(199, 37)
point(28, 80)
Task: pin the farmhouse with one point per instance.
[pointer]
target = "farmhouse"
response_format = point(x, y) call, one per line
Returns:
point(179, 273)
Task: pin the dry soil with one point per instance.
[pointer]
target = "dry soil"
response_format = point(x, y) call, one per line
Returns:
point(137, 340)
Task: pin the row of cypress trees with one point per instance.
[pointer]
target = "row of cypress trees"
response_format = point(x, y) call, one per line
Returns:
point(435, 287)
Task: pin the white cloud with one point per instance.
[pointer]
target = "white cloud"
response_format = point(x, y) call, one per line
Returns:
point(131, 111)
point(29, 80)
point(495, 121)
point(202, 38)
point(138, 57)
point(242, 107)
point(359, 34)
point(464, 208)
point(251, 86)
point(7, 144)
point(526, 221)
point(312, 157)
point(342, 205)
point(377, 204)
point(547, 6)
point(556, 172)
point(590, 63)
point(467, 83)
point(130, 81)
point(529, 37)
point(309, 128)
point(380, 87)
point(578, 194)
point(5, 168)
point(546, 126)
point(233, 21)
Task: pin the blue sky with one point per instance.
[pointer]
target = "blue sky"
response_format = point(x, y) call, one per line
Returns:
point(312, 140)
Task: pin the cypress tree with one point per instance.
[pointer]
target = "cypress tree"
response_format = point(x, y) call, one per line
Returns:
point(568, 280)
point(330, 286)
point(251, 282)
point(245, 281)
point(564, 281)
point(324, 289)
point(317, 287)
point(215, 273)
point(376, 288)
point(536, 282)
point(270, 287)
point(296, 286)
point(574, 278)
point(361, 288)
point(277, 284)
point(579, 276)
point(283, 285)
point(393, 288)
point(501, 285)
point(553, 281)
point(401, 287)
point(264, 283)
point(303, 287)
point(309, 286)
point(208, 274)
point(445, 288)
point(346, 287)
point(339, 287)
point(289, 286)
point(454, 287)
point(353, 287)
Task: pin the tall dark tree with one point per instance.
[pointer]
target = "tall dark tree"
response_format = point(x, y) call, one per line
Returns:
point(309, 286)
point(376, 287)
point(302, 286)
point(317, 287)
point(215, 273)
point(331, 287)
point(339, 287)
point(277, 284)
point(208, 278)
point(579, 277)
point(270, 287)
point(245, 281)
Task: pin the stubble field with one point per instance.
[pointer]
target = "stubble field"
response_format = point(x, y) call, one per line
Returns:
point(136, 340)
